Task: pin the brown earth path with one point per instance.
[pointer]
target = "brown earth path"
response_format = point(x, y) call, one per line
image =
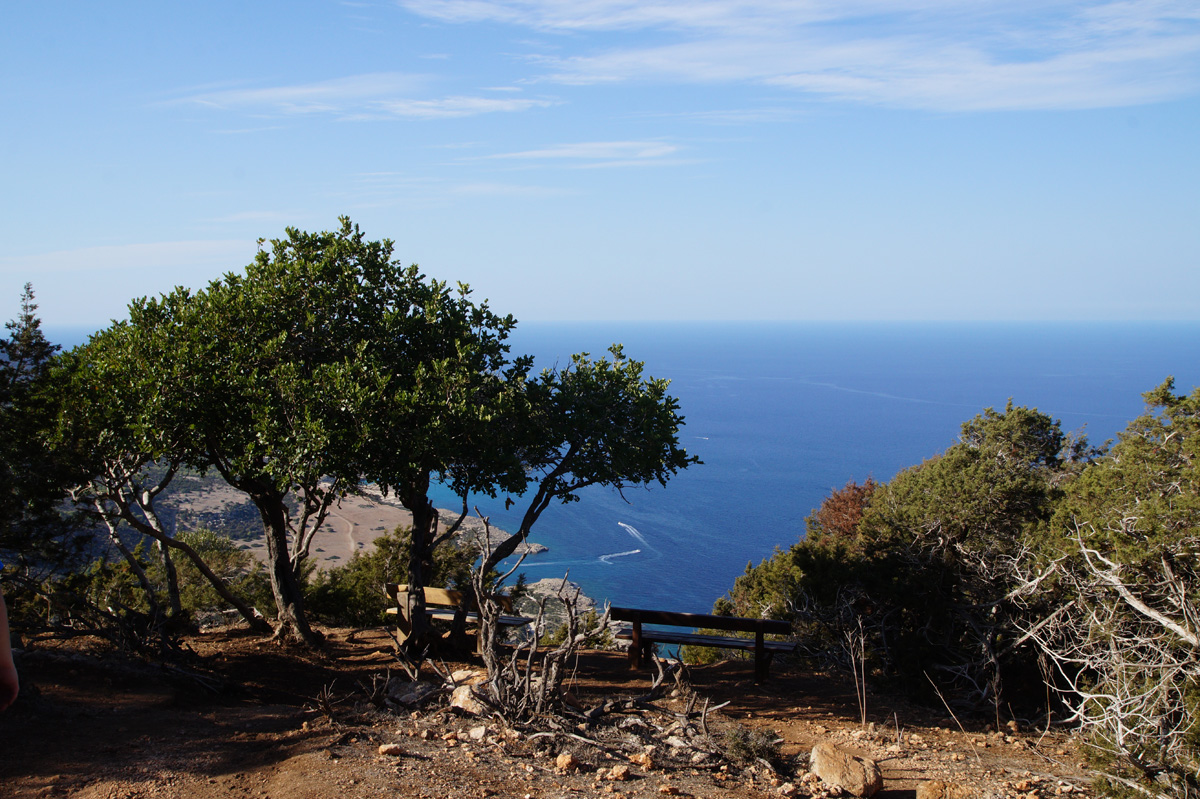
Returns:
point(285, 723)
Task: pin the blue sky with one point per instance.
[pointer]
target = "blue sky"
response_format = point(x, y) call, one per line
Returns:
point(615, 159)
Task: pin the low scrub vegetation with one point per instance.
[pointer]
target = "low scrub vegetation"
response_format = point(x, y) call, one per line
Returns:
point(1020, 563)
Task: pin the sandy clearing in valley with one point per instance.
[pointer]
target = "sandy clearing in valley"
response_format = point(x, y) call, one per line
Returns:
point(351, 526)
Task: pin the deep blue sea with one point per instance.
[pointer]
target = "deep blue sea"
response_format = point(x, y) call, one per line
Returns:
point(783, 413)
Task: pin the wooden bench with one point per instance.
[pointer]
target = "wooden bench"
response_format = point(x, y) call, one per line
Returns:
point(643, 639)
point(443, 604)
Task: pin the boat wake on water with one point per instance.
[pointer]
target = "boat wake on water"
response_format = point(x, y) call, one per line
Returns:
point(608, 558)
point(633, 531)
point(645, 548)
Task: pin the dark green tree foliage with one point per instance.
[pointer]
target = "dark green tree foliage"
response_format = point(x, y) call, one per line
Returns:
point(1119, 583)
point(596, 422)
point(326, 364)
point(110, 586)
point(123, 405)
point(296, 357)
point(34, 532)
point(773, 589)
point(942, 538)
point(240, 572)
point(925, 562)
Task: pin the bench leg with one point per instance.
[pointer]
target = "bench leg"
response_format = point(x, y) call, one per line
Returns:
point(403, 623)
point(635, 645)
point(762, 658)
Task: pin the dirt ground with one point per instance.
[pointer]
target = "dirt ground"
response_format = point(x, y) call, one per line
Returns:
point(247, 717)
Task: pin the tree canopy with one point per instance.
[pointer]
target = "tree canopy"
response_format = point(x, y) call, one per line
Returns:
point(1120, 624)
point(596, 422)
point(921, 565)
point(326, 364)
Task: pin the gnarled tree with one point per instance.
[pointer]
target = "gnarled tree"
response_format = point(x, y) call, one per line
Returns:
point(123, 412)
point(596, 422)
point(328, 363)
point(1122, 564)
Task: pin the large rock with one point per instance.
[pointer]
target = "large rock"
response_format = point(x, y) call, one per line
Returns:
point(467, 677)
point(465, 699)
point(411, 694)
point(858, 776)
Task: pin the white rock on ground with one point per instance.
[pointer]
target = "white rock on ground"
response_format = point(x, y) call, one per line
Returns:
point(858, 776)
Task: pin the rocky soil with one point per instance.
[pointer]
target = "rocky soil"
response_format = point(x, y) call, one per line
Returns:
point(246, 717)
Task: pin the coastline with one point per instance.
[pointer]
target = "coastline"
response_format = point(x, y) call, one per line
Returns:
point(354, 524)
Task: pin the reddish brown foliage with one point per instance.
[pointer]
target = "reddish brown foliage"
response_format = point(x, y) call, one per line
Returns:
point(841, 511)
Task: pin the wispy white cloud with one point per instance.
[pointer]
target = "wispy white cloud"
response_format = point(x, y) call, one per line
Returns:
point(223, 254)
point(375, 95)
point(447, 107)
point(621, 15)
point(600, 155)
point(741, 116)
point(326, 96)
point(400, 190)
point(938, 54)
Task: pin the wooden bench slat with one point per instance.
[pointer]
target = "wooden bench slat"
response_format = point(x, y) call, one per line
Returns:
point(447, 614)
point(443, 604)
point(675, 619)
point(700, 639)
point(643, 639)
point(445, 597)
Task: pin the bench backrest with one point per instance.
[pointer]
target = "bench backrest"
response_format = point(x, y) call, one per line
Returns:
point(701, 620)
point(445, 597)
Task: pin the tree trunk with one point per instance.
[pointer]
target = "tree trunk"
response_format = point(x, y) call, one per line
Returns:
point(289, 599)
point(173, 599)
point(420, 559)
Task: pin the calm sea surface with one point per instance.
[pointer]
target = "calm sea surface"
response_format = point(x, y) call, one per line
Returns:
point(783, 413)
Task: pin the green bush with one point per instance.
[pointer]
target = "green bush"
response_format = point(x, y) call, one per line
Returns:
point(921, 566)
point(602, 638)
point(242, 572)
point(109, 582)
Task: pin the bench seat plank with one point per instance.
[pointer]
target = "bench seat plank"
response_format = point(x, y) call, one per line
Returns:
point(701, 639)
point(701, 620)
point(447, 614)
point(644, 639)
